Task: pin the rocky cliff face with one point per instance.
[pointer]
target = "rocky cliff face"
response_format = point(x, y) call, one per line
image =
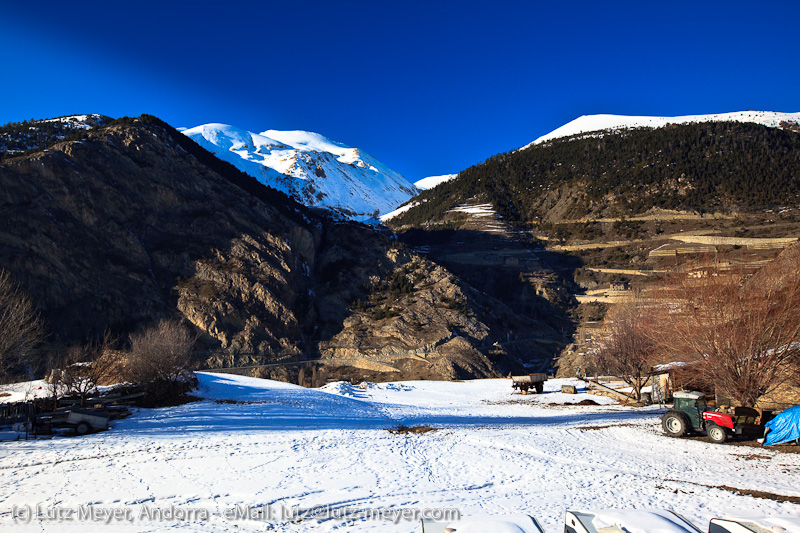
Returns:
point(424, 320)
point(133, 222)
point(125, 225)
point(420, 314)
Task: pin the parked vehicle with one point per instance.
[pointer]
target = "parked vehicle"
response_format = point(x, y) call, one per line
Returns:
point(690, 413)
point(85, 421)
point(758, 525)
point(619, 521)
point(529, 381)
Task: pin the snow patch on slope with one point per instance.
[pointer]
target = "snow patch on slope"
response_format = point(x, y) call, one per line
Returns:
point(477, 210)
point(400, 210)
point(432, 181)
point(315, 170)
point(594, 123)
point(83, 122)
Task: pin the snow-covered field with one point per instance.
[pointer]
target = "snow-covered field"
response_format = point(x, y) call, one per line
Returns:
point(260, 446)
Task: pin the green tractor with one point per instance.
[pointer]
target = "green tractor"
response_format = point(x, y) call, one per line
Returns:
point(690, 413)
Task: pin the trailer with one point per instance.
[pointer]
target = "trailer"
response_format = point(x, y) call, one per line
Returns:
point(526, 382)
point(84, 421)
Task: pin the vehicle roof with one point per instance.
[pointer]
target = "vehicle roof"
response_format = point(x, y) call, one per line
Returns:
point(767, 524)
point(692, 395)
point(614, 520)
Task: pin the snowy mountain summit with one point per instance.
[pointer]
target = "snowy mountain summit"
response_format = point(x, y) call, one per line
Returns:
point(316, 171)
point(596, 123)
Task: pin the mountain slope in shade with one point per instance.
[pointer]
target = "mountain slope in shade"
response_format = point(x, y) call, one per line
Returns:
point(316, 171)
point(17, 137)
point(133, 222)
point(593, 123)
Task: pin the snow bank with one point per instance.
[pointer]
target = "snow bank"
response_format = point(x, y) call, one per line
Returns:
point(28, 390)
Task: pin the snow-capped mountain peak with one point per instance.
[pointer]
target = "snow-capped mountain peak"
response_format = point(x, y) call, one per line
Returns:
point(310, 167)
point(307, 141)
point(594, 123)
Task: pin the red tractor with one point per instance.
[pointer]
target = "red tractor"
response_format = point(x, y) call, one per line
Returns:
point(690, 413)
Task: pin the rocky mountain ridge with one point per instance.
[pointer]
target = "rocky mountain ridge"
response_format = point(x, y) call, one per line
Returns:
point(133, 221)
point(19, 137)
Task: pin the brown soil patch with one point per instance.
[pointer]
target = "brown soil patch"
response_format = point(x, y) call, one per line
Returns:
point(752, 443)
point(744, 492)
point(594, 428)
point(417, 430)
point(754, 457)
point(582, 402)
point(760, 494)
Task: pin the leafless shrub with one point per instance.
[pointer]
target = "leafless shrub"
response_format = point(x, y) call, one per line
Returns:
point(744, 332)
point(20, 328)
point(158, 354)
point(625, 348)
point(87, 366)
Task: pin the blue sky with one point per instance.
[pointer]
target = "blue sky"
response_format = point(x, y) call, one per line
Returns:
point(426, 87)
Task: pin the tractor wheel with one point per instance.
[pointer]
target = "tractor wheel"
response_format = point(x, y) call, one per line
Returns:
point(82, 428)
point(716, 433)
point(539, 387)
point(674, 425)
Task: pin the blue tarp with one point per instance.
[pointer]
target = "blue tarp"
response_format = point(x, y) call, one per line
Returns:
point(784, 427)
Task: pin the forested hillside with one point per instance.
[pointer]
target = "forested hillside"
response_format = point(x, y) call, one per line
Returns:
point(18, 137)
point(702, 167)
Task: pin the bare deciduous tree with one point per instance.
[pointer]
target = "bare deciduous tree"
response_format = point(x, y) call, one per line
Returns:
point(626, 349)
point(88, 366)
point(158, 355)
point(743, 331)
point(20, 328)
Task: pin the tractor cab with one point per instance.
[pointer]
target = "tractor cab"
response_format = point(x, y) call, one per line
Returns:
point(692, 404)
point(690, 413)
